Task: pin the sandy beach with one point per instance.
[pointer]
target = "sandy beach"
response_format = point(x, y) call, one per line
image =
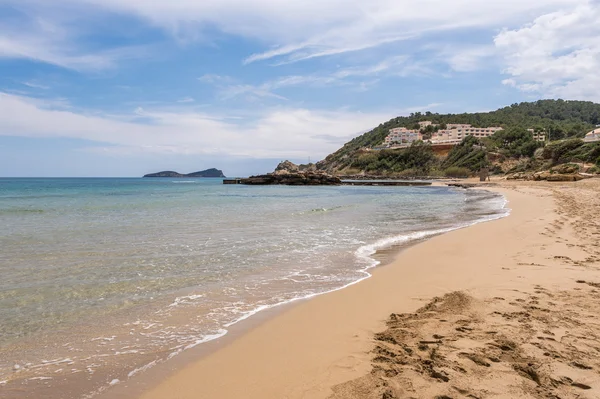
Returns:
point(503, 309)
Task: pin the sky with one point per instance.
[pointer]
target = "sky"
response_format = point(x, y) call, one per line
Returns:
point(128, 87)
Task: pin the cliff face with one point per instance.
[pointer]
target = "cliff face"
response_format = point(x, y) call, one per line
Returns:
point(204, 173)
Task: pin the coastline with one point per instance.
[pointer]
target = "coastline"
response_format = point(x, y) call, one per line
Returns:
point(377, 254)
point(51, 378)
point(305, 350)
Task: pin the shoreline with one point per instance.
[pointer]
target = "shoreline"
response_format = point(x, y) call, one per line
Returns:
point(381, 254)
point(328, 348)
point(104, 383)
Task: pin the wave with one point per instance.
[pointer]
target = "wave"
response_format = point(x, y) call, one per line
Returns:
point(326, 209)
point(364, 254)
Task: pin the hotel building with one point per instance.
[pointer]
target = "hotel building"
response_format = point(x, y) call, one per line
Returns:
point(538, 136)
point(402, 135)
point(456, 132)
point(594, 135)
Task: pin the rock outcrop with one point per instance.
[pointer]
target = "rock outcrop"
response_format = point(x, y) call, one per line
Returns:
point(288, 173)
point(286, 167)
point(548, 176)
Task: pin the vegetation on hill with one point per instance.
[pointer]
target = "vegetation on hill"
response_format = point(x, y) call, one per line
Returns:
point(419, 157)
point(470, 154)
point(573, 150)
point(562, 120)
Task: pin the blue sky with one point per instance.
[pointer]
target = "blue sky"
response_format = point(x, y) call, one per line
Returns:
point(127, 87)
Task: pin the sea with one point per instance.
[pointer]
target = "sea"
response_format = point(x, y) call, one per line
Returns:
point(104, 278)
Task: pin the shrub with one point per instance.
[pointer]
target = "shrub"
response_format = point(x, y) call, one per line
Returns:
point(470, 154)
point(410, 173)
point(574, 150)
point(496, 170)
point(565, 168)
point(435, 172)
point(457, 172)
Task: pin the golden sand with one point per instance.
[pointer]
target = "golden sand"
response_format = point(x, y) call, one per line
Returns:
point(504, 309)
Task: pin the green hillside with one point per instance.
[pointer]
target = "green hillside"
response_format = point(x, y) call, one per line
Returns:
point(562, 119)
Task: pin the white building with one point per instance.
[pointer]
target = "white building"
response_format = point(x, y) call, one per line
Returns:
point(594, 135)
point(402, 135)
point(538, 136)
point(458, 131)
point(451, 126)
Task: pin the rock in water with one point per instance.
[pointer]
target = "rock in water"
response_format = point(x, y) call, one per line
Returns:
point(286, 167)
point(288, 173)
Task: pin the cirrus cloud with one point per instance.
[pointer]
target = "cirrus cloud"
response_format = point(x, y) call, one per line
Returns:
point(557, 55)
point(289, 28)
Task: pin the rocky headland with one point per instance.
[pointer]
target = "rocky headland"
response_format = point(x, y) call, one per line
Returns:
point(566, 172)
point(290, 174)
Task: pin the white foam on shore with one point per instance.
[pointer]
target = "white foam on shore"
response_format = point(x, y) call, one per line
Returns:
point(140, 369)
point(181, 300)
point(104, 338)
point(364, 253)
point(46, 363)
point(206, 338)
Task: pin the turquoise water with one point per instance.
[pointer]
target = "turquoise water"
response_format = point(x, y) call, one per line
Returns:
point(94, 268)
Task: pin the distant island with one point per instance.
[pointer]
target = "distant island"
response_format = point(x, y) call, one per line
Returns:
point(204, 173)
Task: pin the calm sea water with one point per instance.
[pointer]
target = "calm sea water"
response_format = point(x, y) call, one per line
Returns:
point(130, 272)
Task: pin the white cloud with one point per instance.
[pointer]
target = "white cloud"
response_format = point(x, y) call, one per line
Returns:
point(391, 66)
point(186, 100)
point(279, 132)
point(468, 58)
point(250, 92)
point(295, 29)
point(42, 39)
point(212, 78)
point(35, 85)
point(558, 55)
point(40, 49)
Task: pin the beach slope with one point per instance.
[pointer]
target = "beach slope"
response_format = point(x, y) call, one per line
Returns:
point(508, 308)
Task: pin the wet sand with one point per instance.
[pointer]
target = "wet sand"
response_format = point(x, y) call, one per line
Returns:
point(515, 316)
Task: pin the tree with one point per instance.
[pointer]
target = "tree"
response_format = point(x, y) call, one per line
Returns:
point(515, 142)
point(470, 154)
point(561, 119)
